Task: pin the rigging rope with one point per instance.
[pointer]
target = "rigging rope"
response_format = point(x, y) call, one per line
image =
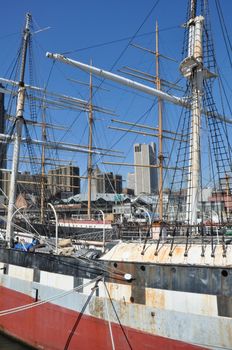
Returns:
point(108, 316)
point(224, 30)
point(116, 41)
point(116, 314)
point(42, 302)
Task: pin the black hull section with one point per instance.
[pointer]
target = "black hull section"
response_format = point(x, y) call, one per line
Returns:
point(185, 278)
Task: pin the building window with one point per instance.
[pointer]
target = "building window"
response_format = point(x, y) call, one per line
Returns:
point(138, 148)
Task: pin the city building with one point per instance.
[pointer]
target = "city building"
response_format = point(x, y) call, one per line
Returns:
point(128, 191)
point(64, 180)
point(27, 184)
point(118, 183)
point(100, 201)
point(106, 182)
point(146, 180)
point(131, 181)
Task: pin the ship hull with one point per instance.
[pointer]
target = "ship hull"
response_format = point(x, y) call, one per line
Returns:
point(71, 229)
point(53, 327)
point(170, 303)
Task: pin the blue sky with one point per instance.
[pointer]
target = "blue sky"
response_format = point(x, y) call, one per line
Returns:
point(77, 28)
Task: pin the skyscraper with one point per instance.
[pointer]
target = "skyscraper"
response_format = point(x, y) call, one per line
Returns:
point(64, 179)
point(131, 181)
point(145, 177)
point(106, 182)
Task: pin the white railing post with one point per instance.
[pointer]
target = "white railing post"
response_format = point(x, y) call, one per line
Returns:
point(56, 218)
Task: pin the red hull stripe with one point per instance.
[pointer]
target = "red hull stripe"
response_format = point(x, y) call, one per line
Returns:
point(52, 327)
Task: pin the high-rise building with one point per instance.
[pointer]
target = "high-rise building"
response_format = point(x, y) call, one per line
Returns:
point(145, 177)
point(118, 183)
point(131, 181)
point(26, 183)
point(106, 182)
point(64, 179)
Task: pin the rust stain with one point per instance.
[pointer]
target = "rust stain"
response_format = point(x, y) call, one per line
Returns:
point(131, 252)
point(96, 307)
point(155, 298)
point(123, 311)
point(119, 291)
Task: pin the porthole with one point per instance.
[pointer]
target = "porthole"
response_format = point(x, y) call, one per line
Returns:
point(224, 273)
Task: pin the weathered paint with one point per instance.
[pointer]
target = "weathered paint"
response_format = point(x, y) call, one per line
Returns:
point(118, 291)
point(174, 301)
point(213, 280)
point(199, 304)
point(52, 327)
point(181, 326)
point(132, 252)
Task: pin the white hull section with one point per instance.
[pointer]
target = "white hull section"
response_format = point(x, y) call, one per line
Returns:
point(188, 317)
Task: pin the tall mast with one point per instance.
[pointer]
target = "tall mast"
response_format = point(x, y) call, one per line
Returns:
point(18, 130)
point(192, 68)
point(90, 143)
point(227, 195)
point(160, 106)
point(44, 139)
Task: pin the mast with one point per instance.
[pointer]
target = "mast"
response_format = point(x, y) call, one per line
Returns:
point(227, 196)
point(179, 101)
point(18, 130)
point(90, 143)
point(119, 79)
point(160, 116)
point(192, 68)
point(44, 139)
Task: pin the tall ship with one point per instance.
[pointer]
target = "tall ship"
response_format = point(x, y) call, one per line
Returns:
point(169, 289)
